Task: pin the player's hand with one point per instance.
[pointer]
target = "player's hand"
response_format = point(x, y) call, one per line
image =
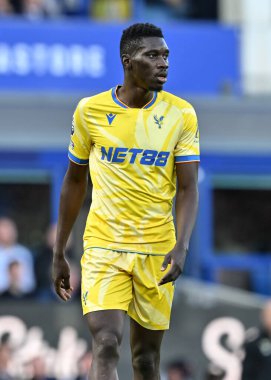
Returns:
point(175, 259)
point(61, 278)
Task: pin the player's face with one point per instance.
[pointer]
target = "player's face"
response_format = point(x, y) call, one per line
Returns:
point(149, 64)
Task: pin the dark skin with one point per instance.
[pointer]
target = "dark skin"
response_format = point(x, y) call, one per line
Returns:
point(142, 72)
point(145, 71)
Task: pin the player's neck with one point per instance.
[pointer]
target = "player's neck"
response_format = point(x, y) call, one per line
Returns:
point(134, 97)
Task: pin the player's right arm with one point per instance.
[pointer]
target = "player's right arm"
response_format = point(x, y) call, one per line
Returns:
point(72, 196)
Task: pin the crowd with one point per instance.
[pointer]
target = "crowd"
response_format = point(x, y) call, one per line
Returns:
point(37, 9)
point(25, 273)
point(182, 9)
point(17, 276)
point(108, 10)
point(36, 367)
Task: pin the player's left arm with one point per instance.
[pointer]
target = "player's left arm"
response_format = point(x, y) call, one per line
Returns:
point(186, 210)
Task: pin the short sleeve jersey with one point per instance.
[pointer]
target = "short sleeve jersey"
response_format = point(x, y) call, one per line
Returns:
point(132, 155)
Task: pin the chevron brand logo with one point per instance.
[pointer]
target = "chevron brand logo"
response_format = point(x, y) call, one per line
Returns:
point(110, 117)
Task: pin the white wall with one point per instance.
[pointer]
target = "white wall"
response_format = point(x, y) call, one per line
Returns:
point(254, 19)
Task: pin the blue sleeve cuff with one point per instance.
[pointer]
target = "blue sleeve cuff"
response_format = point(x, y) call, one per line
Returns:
point(187, 158)
point(77, 160)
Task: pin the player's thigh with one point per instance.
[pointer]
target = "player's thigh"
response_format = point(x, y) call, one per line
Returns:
point(106, 324)
point(144, 341)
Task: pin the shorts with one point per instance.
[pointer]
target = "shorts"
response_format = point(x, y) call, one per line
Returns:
point(127, 281)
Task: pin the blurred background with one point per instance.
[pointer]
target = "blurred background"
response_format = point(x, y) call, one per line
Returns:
point(53, 53)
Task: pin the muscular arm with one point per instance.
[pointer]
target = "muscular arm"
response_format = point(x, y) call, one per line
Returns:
point(72, 196)
point(186, 202)
point(186, 210)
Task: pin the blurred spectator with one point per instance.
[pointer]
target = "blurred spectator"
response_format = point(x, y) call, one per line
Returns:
point(111, 9)
point(214, 373)
point(84, 366)
point(37, 9)
point(37, 369)
point(17, 6)
point(76, 7)
point(14, 290)
point(11, 251)
point(177, 9)
point(5, 8)
point(257, 362)
point(167, 9)
point(34, 9)
point(178, 370)
point(5, 355)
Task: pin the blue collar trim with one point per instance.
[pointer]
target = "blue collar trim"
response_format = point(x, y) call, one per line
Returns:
point(123, 105)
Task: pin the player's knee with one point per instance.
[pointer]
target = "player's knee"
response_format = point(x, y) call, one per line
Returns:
point(107, 346)
point(146, 363)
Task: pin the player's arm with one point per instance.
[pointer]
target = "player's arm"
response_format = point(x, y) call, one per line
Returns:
point(186, 210)
point(72, 196)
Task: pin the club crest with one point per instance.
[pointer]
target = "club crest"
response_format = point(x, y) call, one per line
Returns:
point(158, 120)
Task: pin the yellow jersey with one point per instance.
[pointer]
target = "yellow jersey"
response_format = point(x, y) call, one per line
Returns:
point(132, 155)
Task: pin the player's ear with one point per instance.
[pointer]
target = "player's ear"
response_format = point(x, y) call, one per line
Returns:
point(126, 61)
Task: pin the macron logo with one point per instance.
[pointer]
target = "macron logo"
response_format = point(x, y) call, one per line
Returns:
point(110, 117)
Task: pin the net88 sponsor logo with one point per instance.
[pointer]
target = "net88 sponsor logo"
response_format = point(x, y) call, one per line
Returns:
point(144, 157)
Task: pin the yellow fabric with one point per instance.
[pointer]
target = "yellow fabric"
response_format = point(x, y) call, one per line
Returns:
point(126, 281)
point(132, 155)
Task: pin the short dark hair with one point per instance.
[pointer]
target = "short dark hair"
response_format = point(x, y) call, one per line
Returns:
point(132, 36)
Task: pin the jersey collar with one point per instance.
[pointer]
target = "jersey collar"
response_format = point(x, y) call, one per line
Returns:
point(123, 105)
